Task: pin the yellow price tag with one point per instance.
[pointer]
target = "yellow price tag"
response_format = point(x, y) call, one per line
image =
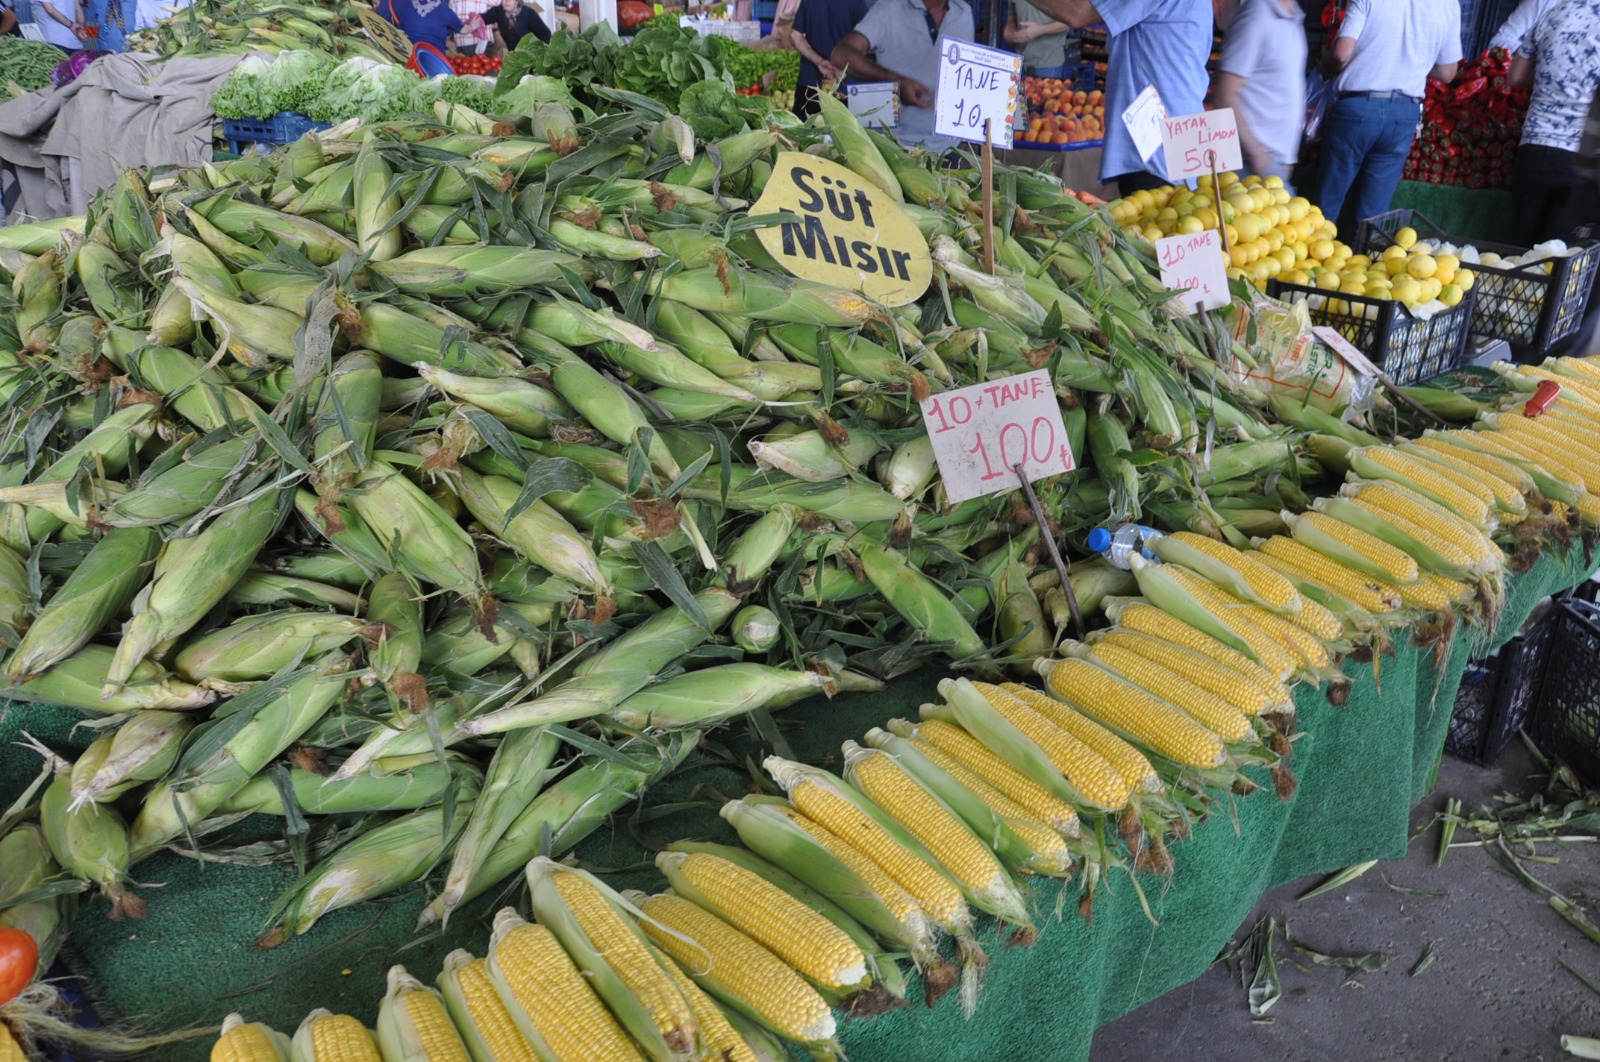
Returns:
point(385, 35)
point(849, 234)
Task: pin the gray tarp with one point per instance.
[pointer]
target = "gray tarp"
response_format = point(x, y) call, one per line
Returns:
point(124, 110)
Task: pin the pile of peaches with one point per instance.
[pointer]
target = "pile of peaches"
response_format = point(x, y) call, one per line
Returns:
point(1060, 114)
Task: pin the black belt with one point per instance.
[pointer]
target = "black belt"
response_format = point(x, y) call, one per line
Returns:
point(1379, 96)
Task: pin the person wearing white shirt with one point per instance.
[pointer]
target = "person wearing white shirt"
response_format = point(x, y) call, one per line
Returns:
point(1263, 78)
point(1521, 23)
point(1380, 64)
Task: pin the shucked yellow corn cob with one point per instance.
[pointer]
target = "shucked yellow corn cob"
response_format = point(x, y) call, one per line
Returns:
point(736, 969)
point(1129, 709)
point(1300, 561)
point(241, 1041)
point(950, 740)
point(549, 999)
point(478, 1012)
point(1210, 711)
point(1132, 764)
point(1247, 692)
point(814, 946)
point(971, 862)
point(1147, 619)
point(935, 894)
point(413, 1024)
point(1263, 631)
point(1075, 760)
point(328, 1037)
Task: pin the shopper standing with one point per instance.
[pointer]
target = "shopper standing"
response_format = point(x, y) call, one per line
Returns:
point(424, 21)
point(1042, 39)
point(819, 26)
point(1164, 43)
point(1587, 197)
point(1561, 59)
point(513, 21)
point(905, 37)
point(56, 27)
point(1380, 64)
point(1263, 78)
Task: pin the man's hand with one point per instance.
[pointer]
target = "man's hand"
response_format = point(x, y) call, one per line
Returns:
point(1018, 33)
point(828, 70)
point(1259, 159)
point(915, 93)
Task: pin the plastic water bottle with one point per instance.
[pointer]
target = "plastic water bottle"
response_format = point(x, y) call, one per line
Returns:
point(1118, 543)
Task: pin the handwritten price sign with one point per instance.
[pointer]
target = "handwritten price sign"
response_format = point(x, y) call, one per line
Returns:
point(1192, 264)
point(981, 433)
point(1191, 139)
point(976, 85)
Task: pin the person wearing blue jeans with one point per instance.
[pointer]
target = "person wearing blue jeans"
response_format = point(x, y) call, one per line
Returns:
point(1380, 64)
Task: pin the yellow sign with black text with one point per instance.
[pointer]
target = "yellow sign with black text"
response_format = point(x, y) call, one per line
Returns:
point(384, 35)
point(850, 233)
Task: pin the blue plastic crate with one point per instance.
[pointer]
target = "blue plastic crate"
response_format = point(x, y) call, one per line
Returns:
point(285, 127)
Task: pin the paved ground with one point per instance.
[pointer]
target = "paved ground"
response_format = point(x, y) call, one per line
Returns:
point(1494, 990)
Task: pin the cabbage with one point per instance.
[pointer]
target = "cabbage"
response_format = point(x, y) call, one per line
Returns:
point(373, 92)
point(260, 87)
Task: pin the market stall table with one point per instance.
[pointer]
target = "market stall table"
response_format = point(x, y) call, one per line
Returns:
point(1360, 767)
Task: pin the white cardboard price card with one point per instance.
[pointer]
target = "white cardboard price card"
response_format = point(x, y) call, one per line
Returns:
point(980, 434)
point(1143, 119)
point(976, 84)
point(1191, 139)
point(1346, 350)
point(1192, 264)
point(876, 103)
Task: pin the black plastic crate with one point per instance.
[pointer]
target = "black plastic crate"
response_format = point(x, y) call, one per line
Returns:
point(1567, 720)
point(1523, 305)
point(1497, 694)
point(1404, 346)
point(285, 127)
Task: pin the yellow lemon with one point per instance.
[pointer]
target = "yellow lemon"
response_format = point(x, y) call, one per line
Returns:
point(1395, 266)
point(1406, 237)
point(1322, 250)
point(1153, 233)
point(1207, 216)
point(1407, 291)
point(1421, 266)
point(1393, 251)
point(1451, 295)
point(1360, 261)
point(1465, 278)
point(1239, 256)
point(1296, 276)
point(1260, 271)
point(1352, 287)
point(1191, 224)
point(1379, 291)
point(1272, 182)
point(1328, 280)
point(1431, 288)
point(1299, 207)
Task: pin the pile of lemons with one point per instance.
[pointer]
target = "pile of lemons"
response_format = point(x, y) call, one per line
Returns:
point(1272, 234)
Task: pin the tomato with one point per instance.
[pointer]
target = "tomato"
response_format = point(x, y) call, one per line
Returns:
point(19, 961)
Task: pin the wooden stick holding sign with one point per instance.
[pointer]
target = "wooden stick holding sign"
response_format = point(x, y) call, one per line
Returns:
point(1049, 537)
point(1216, 192)
point(977, 88)
point(988, 196)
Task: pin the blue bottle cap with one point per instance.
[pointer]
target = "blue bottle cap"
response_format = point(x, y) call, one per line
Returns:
point(1099, 540)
